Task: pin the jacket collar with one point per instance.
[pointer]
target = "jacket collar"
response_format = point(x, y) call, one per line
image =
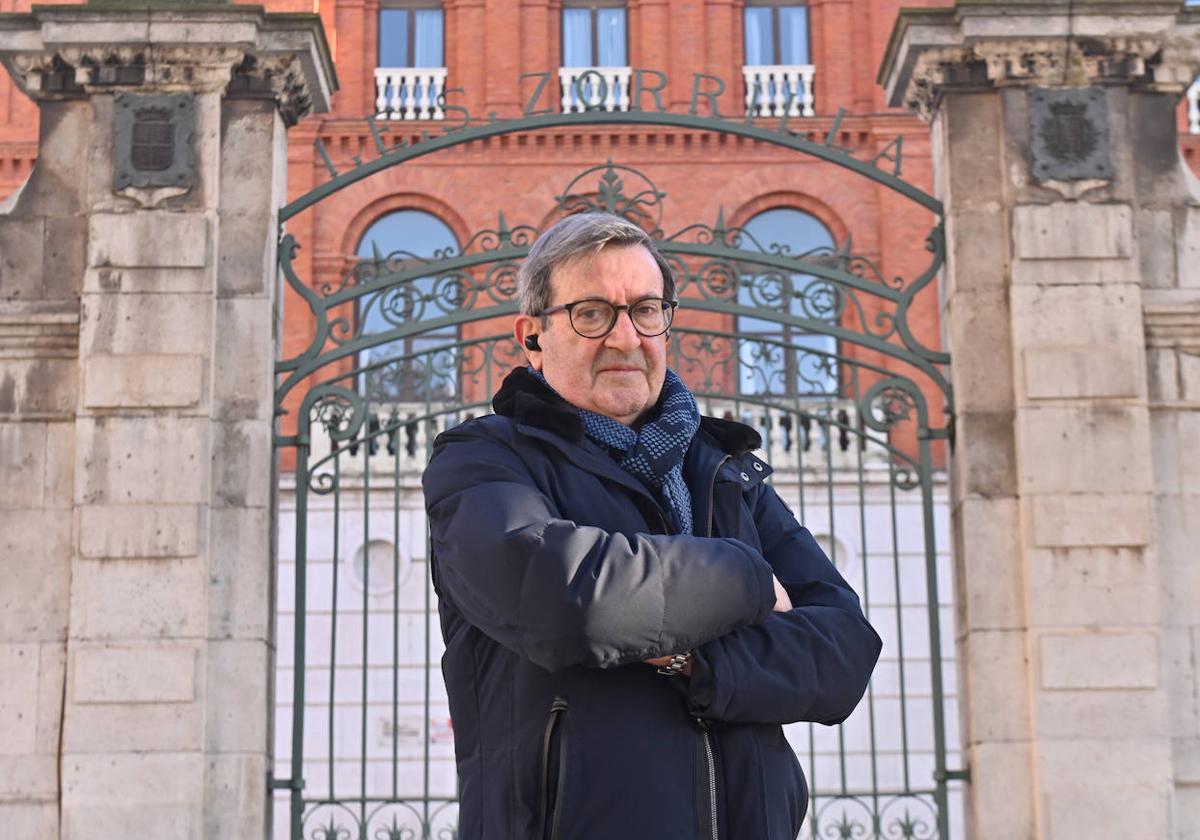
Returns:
point(528, 401)
point(541, 413)
point(732, 438)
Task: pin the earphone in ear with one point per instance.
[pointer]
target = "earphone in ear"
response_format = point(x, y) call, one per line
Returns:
point(531, 343)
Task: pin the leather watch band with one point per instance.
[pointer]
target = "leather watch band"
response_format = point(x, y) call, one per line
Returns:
point(675, 667)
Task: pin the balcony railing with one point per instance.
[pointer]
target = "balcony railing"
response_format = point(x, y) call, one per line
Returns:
point(594, 88)
point(1193, 100)
point(829, 436)
point(409, 93)
point(772, 89)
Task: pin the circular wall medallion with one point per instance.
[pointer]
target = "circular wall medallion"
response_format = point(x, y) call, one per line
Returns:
point(378, 566)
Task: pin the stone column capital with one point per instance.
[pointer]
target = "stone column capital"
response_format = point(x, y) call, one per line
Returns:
point(70, 52)
point(1038, 43)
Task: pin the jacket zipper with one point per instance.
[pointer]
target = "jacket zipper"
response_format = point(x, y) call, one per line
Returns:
point(558, 710)
point(559, 707)
point(712, 493)
point(709, 762)
point(711, 766)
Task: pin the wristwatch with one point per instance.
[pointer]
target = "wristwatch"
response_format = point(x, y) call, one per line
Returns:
point(675, 667)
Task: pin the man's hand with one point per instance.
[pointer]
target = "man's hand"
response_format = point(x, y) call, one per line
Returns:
point(782, 602)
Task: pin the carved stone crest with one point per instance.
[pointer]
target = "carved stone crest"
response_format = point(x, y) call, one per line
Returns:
point(1070, 134)
point(152, 143)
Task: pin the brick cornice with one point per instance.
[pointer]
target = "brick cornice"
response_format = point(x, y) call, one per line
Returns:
point(885, 124)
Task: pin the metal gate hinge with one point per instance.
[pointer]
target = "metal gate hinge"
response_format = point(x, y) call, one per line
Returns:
point(284, 784)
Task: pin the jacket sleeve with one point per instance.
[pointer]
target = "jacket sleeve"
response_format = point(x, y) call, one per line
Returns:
point(811, 663)
point(562, 594)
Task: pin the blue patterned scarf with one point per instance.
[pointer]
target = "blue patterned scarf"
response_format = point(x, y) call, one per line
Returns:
point(654, 453)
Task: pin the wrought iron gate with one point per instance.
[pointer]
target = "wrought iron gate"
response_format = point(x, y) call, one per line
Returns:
point(406, 347)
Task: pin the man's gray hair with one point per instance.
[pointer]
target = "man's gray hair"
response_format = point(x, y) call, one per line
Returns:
point(578, 237)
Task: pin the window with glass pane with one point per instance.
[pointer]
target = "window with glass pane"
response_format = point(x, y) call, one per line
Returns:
point(411, 35)
point(776, 33)
point(778, 359)
point(418, 367)
point(593, 35)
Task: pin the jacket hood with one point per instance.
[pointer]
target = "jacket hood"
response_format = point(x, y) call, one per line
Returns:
point(527, 400)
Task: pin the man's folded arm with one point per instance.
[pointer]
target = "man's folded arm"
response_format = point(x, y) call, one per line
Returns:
point(562, 594)
point(810, 663)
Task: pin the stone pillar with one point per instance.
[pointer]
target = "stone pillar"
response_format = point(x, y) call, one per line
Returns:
point(138, 299)
point(1069, 301)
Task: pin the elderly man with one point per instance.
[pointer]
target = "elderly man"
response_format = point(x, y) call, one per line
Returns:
point(630, 612)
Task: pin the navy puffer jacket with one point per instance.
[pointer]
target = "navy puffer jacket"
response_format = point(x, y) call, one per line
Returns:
point(557, 577)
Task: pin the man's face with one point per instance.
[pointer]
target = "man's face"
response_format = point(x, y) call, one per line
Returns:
point(620, 375)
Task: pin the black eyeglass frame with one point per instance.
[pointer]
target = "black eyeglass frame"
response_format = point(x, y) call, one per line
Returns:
point(669, 307)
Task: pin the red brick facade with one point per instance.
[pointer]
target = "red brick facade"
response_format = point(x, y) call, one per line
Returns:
point(679, 37)
point(489, 44)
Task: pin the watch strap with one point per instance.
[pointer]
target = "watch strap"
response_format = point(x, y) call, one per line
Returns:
point(675, 667)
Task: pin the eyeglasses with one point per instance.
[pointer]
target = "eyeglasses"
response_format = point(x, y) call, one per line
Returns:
point(596, 317)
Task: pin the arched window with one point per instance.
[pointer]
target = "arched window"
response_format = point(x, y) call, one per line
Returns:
point(410, 368)
point(778, 359)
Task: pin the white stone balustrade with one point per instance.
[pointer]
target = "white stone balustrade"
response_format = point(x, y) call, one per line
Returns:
point(1193, 101)
point(819, 449)
point(787, 445)
point(772, 89)
point(409, 93)
point(594, 88)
